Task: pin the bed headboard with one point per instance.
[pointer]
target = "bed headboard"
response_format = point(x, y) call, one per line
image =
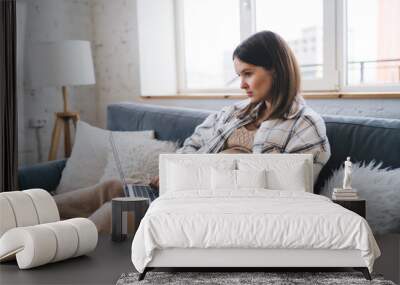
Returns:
point(287, 165)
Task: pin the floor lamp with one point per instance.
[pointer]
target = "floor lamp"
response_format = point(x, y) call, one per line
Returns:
point(62, 64)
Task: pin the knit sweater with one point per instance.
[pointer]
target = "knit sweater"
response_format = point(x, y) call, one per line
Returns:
point(240, 141)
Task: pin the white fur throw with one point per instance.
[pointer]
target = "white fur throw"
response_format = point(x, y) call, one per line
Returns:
point(381, 190)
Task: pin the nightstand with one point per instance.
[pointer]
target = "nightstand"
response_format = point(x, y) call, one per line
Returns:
point(357, 206)
point(120, 205)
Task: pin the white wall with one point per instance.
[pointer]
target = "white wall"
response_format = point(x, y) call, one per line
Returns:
point(116, 53)
point(49, 20)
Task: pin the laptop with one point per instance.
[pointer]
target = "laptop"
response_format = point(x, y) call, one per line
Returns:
point(131, 189)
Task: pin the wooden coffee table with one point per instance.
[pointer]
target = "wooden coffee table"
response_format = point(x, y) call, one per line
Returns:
point(104, 265)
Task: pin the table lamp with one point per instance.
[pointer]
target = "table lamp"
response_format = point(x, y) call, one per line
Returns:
point(61, 64)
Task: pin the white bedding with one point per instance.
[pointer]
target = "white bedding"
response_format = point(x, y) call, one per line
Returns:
point(253, 218)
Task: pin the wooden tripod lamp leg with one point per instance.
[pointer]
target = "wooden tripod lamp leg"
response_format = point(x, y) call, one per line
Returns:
point(67, 138)
point(62, 121)
point(55, 137)
point(74, 117)
point(75, 120)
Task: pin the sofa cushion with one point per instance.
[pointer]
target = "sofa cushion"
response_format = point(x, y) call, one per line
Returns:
point(168, 123)
point(138, 159)
point(88, 159)
point(44, 175)
point(363, 139)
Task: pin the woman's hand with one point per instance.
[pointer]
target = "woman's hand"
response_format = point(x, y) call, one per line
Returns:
point(154, 182)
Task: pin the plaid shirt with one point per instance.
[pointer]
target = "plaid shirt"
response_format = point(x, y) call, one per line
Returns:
point(301, 131)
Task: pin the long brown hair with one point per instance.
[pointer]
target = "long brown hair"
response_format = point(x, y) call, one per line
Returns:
point(270, 51)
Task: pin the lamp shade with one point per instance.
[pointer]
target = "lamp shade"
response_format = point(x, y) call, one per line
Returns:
point(61, 63)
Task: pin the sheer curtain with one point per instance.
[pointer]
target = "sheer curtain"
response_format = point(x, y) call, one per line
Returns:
point(8, 97)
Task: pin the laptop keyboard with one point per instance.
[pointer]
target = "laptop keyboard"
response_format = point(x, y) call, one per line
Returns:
point(144, 191)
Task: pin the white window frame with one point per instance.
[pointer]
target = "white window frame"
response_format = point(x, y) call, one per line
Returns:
point(330, 79)
point(180, 59)
point(247, 10)
point(334, 51)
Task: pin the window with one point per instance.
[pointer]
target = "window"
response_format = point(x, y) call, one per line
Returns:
point(373, 43)
point(341, 45)
point(208, 63)
point(207, 40)
point(304, 31)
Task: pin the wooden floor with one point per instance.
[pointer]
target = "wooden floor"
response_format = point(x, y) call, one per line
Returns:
point(111, 259)
point(102, 266)
point(389, 262)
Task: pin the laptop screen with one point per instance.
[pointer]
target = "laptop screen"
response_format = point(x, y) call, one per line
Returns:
point(130, 190)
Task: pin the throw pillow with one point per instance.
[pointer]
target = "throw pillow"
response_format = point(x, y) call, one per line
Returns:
point(138, 159)
point(89, 154)
point(379, 187)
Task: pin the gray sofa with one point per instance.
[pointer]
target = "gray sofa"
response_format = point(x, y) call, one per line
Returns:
point(364, 139)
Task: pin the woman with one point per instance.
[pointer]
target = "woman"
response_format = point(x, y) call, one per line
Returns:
point(275, 118)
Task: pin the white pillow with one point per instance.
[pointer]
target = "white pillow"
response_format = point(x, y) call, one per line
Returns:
point(138, 158)
point(251, 179)
point(231, 180)
point(189, 174)
point(182, 177)
point(223, 179)
point(89, 155)
point(288, 175)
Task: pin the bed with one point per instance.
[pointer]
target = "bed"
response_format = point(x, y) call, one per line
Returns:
point(247, 210)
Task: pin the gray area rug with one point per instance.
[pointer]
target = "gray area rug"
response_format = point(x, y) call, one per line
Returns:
point(228, 278)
